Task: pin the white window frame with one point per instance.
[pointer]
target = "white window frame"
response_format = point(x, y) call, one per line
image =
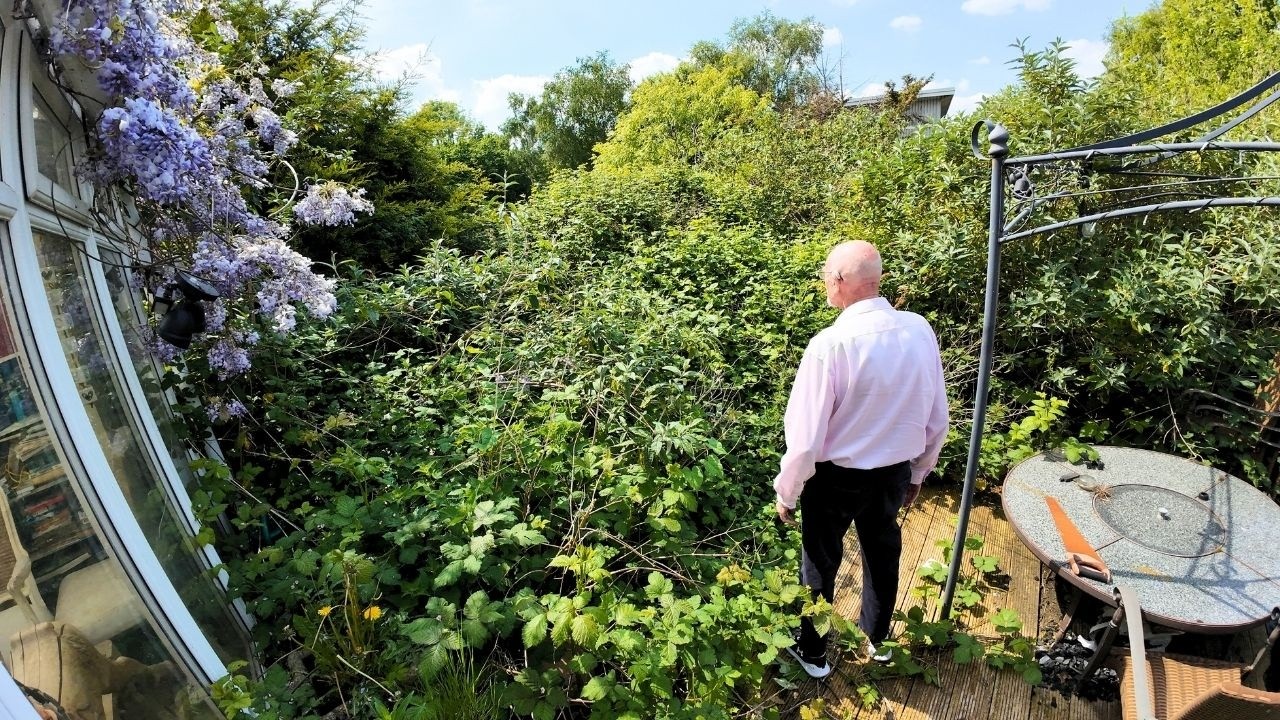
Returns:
point(43, 190)
point(136, 398)
point(13, 702)
point(54, 375)
point(10, 162)
point(69, 421)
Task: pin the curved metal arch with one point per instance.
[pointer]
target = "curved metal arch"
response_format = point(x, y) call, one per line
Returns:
point(1081, 162)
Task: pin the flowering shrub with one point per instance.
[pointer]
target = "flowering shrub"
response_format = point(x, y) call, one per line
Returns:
point(331, 204)
point(187, 137)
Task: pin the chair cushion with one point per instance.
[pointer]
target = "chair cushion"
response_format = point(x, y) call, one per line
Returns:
point(98, 601)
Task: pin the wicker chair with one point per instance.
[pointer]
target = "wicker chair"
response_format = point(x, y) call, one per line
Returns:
point(1162, 686)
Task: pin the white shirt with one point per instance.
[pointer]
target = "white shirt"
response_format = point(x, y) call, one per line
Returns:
point(868, 393)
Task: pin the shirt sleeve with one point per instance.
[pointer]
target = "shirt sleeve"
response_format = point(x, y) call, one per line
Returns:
point(808, 412)
point(935, 430)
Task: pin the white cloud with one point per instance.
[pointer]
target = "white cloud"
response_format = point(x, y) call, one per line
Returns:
point(651, 64)
point(832, 36)
point(906, 23)
point(966, 103)
point(491, 107)
point(421, 67)
point(1088, 55)
point(984, 60)
point(959, 87)
point(871, 90)
point(1002, 7)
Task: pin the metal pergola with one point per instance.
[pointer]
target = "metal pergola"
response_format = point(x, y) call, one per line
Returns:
point(1053, 179)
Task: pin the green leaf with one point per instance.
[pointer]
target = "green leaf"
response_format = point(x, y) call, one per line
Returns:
point(985, 563)
point(627, 640)
point(475, 632)
point(626, 614)
point(424, 631)
point(598, 687)
point(449, 575)
point(1006, 621)
point(523, 536)
point(585, 630)
point(433, 661)
point(535, 630)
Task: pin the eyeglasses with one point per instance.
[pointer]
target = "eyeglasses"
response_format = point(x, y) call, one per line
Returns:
point(822, 274)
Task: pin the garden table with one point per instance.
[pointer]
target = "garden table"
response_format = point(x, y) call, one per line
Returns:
point(1200, 547)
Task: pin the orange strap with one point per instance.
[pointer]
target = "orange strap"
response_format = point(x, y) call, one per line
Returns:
point(1081, 557)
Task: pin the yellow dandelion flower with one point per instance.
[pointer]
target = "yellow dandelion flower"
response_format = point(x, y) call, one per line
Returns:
point(373, 612)
point(324, 611)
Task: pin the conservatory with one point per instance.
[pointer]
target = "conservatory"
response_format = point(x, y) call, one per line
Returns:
point(108, 605)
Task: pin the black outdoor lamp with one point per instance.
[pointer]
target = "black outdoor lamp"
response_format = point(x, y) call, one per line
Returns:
point(182, 318)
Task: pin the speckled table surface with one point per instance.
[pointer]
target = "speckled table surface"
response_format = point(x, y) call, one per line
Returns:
point(1201, 548)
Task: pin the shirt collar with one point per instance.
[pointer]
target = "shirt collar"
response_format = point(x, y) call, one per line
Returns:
point(865, 306)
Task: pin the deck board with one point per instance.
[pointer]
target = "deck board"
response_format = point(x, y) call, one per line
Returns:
point(972, 691)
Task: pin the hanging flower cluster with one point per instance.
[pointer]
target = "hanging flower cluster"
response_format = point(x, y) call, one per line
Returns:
point(186, 136)
point(331, 204)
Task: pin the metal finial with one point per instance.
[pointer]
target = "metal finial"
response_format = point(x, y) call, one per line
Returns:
point(997, 140)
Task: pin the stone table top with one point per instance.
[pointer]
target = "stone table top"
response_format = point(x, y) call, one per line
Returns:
point(1200, 547)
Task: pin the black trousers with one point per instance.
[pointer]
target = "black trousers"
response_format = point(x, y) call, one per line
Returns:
point(834, 498)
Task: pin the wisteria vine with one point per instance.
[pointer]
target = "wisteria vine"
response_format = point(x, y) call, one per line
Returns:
point(186, 136)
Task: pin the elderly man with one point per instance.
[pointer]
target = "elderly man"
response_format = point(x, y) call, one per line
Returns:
point(864, 424)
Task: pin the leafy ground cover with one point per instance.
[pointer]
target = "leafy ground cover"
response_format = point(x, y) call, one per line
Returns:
point(536, 475)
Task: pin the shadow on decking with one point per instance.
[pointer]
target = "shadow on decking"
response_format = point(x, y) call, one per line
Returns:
point(971, 691)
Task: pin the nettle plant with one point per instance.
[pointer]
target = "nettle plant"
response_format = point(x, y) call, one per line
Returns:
point(179, 144)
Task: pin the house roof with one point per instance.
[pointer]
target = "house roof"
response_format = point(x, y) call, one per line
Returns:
point(944, 95)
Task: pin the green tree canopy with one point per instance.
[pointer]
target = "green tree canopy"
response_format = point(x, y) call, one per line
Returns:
point(418, 169)
point(1190, 54)
point(775, 57)
point(679, 116)
point(576, 110)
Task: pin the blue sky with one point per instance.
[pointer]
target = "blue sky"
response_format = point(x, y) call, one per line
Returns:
point(475, 52)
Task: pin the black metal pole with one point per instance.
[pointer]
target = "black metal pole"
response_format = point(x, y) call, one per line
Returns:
point(998, 138)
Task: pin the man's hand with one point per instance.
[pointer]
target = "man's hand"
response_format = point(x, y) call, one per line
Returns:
point(913, 492)
point(786, 514)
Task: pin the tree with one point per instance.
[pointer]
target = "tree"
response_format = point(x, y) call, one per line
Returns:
point(511, 170)
point(1191, 54)
point(773, 56)
point(677, 117)
point(576, 110)
point(353, 129)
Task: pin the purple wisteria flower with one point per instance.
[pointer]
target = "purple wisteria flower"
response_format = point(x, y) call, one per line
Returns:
point(220, 410)
point(331, 204)
point(186, 136)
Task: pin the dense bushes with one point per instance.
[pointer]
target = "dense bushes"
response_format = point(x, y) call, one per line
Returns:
point(556, 454)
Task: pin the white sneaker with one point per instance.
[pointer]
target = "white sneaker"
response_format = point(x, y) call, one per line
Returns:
point(811, 669)
point(883, 656)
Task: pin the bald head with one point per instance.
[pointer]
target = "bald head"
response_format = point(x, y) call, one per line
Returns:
point(857, 265)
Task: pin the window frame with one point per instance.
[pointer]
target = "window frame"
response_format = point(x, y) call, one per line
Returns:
point(44, 191)
point(56, 383)
point(10, 145)
point(61, 215)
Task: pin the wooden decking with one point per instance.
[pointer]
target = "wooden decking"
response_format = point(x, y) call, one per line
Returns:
point(972, 691)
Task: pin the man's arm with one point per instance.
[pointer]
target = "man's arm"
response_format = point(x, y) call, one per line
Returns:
point(935, 430)
point(808, 412)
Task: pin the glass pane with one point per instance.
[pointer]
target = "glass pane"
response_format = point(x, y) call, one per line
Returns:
point(53, 144)
point(106, 401)
point(62, 594)
point(124, 300)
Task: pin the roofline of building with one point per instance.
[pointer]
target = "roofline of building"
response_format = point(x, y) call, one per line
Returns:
point(945, 94)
